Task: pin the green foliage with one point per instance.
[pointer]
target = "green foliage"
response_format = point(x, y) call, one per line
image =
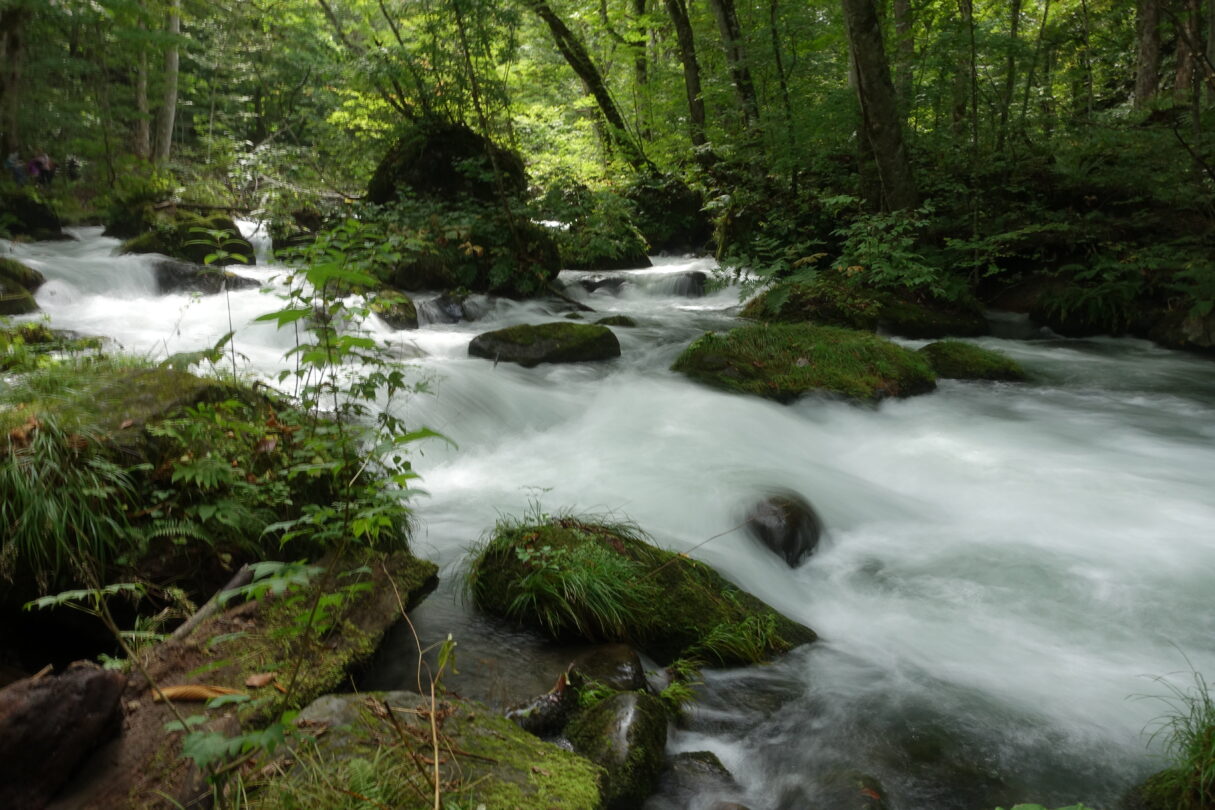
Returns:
point(882, 251)
point(1188, 732)
point(129, 208)
point(598, 233)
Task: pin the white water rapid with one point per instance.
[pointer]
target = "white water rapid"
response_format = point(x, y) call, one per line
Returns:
point(1006, 567)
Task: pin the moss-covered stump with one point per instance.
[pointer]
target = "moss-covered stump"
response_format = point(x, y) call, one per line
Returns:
point(395, 309)
point(484, 760)
point(15, 299)
point(557, 342)
point(577, 579)
point(144, 769)
point(626, 735)
point(785, 361)
point(18, 273)
point(955, 360)
point(178, 236)
point(26, 214)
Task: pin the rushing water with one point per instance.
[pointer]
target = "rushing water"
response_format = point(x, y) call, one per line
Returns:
point(1006, 567)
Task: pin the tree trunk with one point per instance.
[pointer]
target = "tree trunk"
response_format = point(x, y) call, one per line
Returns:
point(678, 11)
point(1010, 74)
point(580, 62)
point(781, 77)
point(143, 121)
point(740, 74)
point(880, 124)
point(1147, 61)
point(168, 108)
point(904, 49)
point(1188, 48)
point(12, 61)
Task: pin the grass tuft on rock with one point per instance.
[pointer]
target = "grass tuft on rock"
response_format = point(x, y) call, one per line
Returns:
point(785, 361)
point(573, 578)
point(955, 360)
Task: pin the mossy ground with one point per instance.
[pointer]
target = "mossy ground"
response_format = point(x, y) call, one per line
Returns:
point(575, 578)
point(955, 360)
point(485, 761)
point(785, 361)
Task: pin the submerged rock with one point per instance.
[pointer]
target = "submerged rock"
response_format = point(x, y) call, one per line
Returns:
point(692, 775)
point(785, 361)
point(955, 360)
point(557, 342)
point(395, 309)
point(626, 735)
point(787, 524)
point(49, 725)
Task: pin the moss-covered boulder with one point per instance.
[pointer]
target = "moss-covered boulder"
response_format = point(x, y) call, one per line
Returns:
point(615, 320)
point(446, 160)
point(916, 315)
point(626, 735)
point(669, 214)
point(785, 361)
point(15, 271)
point(955, 360)
point(395, 309)
point(180, 235)
point(485, 760)
point(575, 579)
point(24, 213)
point(15, 299)
point(557, 342)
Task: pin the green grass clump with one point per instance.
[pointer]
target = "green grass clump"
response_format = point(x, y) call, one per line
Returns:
point(574, 578)
point(1188, 730)
point(955, 360)
point(785, 361)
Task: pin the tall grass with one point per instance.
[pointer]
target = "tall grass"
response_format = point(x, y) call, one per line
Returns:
point(1188, 733)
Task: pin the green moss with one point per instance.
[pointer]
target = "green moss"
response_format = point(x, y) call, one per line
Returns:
point(617, 320)
point(395, 308)
point(573, 578)
point(915, 316)
point(178, 236)
point(827, 300)
point(15, 299)
point(556, 342)
point(630, 750)
point(785, 361)
point(18, 273)
point(955, 360)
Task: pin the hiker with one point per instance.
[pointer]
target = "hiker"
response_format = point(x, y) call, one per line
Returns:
point(73, 168)
point(47, 173)
point(13, 164)
point(33, 169)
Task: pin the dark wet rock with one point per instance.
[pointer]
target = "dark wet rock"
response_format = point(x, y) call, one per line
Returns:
point(669, 214)
point(955, 360)
point(851, 790)
point(396, 309)
point(611, 284)
point(626, 735)
point(617, 320)
point(787, 524)
point(49, 725)
point(558, 342)
point(616, 666)
point(25, 214)
point(173, 277)
point(689, 285)
point(18, 273)
point(547, 714)
point(695, 775)
point(575, 316)
point(15, 299)
point(785, 361)
point(927, 317)
point(446, 160)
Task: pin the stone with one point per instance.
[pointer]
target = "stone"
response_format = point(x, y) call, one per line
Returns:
point(955, 360)
point(547, 714)
point(26, 214)
point(18, 273)
point(610, 283)
point(616, 666)
point(174, 276)
point(787, 524)
point(557, 342)
point(180, 235)
point(617, 320)
point(689, 285)
point(49, 725)
point(446, 160)
point(15, 299)
point(626, 735)
point(395, 309)
point(695, 775)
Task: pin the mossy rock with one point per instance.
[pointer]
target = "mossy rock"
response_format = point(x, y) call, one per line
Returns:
point(486, 760)
point(669, 214)
point(174, 276)
point(557, 342)
point(15, 299)
point(617, 320)
point(26, 214)
point(824, 301)
point(955, 360)
point(785, 361)
point(922, 316)
point(626, 735)
point(18, 273)
point(575, 579)
point(177, 236)
point(396, 309)
point(445, 160)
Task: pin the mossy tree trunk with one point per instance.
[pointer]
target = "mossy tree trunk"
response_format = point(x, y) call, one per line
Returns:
point(678, 11)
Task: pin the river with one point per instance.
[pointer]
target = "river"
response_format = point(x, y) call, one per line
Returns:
point(1008, 569)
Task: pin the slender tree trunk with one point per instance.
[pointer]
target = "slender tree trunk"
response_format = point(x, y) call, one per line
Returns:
point(1033, 65)
point(1188, 49)
point(1010, 74)
point(1210, 47)
point(740, 73)
point(641, 68)
point(678, 11)
point(1086, 59)
point(12, 62)
point(781, 77)
point(168, 107)
point(580, 62)
point(880, 124)
point(904, 48)
point(143, 120)
point(1147, 57)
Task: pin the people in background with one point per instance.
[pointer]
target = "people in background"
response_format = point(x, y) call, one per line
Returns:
point(15, 167)
point(46, 169)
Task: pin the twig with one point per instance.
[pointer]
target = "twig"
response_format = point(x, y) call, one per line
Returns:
point(242, 577)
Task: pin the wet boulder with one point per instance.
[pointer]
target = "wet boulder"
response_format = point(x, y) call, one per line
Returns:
point(395, 309)
point(15, 299)
point(787, 524)
point(694, 774)
point(786, 361)
point(689, 285)
point(446, 160)
point(617, 320)
point(49, 725)
point(192, 238)
point(915, 315)
point(557, 342)
point(626, 735)
point(20, 274)
point(955, 360)
point(611, 284)
point(174, 276)
point(615, 666)
point(27, 215)
point(547, 714)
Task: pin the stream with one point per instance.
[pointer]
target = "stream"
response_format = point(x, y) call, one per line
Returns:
point(1012, 577)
